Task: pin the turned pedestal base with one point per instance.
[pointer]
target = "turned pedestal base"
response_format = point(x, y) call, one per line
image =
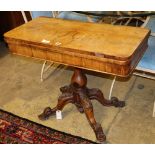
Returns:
point(78, 94)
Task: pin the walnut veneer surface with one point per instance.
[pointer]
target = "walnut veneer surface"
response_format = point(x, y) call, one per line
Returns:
point(98, 47)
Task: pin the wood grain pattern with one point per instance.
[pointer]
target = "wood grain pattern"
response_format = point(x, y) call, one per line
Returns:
point(99, 47)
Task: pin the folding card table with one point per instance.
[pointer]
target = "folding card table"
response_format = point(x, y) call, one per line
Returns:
point(98, 47)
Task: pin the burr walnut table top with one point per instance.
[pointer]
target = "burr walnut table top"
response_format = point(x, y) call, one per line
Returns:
point(99, 47)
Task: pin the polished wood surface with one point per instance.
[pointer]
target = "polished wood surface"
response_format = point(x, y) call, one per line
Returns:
point(99, 47)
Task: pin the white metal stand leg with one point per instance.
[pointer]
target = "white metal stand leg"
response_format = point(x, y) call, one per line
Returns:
point(154, 110)
point(43, 69)
point(111, 88)
point(24, 16)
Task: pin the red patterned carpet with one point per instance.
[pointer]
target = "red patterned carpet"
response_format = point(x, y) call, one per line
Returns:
point(17, 130)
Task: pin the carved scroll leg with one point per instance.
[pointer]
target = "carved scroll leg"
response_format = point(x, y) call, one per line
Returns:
point(79, 107)
point(98, 95)
point(88, 109)
point(63, 100)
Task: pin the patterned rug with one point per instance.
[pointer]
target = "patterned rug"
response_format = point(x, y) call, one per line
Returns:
point(17, 130)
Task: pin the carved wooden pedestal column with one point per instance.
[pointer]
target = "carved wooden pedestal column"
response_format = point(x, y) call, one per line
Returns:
point(81, 96)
